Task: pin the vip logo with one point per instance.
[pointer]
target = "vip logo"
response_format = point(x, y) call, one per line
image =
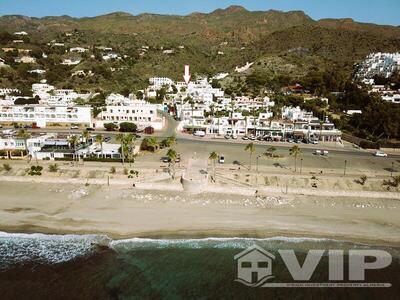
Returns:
point(254, 266)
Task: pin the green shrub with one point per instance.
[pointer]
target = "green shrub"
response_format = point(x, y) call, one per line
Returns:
point(35, 171)
point(113, 170)
point(53, 168)
point(7, 167)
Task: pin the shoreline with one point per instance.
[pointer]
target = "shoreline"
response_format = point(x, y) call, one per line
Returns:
point(200, 235)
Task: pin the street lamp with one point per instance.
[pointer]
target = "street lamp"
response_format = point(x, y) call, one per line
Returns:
point(391, 170)
point(345, 165)
point(301, 165)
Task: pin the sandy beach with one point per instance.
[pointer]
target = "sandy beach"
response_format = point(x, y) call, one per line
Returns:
point(165, 211)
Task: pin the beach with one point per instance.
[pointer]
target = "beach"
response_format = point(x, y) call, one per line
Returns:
point(123, 212)
point(91, 230)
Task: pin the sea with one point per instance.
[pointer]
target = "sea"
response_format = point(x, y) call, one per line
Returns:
point(39, 266)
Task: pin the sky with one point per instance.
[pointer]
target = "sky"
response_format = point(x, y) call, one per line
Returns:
point(370, 11)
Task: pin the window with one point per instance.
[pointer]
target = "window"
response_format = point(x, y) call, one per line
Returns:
point(246, 264)
point(262, 264)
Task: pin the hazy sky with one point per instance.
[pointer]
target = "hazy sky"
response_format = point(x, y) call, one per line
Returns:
point(374, 11)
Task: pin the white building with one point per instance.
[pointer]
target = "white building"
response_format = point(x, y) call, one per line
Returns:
point(111, 55)
point(23, 33)
point(43, 115)
point(160, 81)
point(25, 60)
point(78, 50)
point(393, 98)
point(37, 71)
point(71, 61)
point(140, 112)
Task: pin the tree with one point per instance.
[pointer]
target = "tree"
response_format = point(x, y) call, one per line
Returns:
point(270, 151)
point(168, 142)
point(149, 144)
point(251, 149)
point(121, 139)
point(130, 147)
point(110, 126)
point(100, 140)
point(85, 135)
point(295, 151)
point(213, 156)
point(25, 135)
point(73, 141)
point(172, 155)
point(127, 127)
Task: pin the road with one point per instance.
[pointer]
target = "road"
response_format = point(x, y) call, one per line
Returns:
point(357, 160)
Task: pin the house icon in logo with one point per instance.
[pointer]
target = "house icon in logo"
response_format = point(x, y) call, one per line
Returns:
point(254, 266)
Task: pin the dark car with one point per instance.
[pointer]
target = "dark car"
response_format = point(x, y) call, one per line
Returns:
point(90, 129)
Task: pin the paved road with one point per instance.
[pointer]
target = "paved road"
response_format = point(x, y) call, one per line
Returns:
point(233, 150)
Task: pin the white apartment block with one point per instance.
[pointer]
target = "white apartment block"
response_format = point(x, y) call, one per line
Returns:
point(297, 114)
point(42, 115)
point(140, 112)
point(382, 64)
point(160, 81)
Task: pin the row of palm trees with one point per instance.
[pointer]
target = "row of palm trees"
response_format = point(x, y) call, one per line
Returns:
point(294, 151)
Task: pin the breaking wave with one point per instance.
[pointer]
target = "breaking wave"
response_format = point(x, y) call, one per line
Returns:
point(17, 248)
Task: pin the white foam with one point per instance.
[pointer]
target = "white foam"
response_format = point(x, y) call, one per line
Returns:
point(21, 247)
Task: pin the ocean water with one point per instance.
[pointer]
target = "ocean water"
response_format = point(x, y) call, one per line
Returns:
point(37, 266)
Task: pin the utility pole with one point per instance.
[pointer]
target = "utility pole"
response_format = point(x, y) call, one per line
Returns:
point(345, 165)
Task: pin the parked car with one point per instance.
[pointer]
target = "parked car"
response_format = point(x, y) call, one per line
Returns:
point(199, 133)
point(74, 127)
point(380, 154)
point(166, 159)
point(234, 137)
point(89, 129)
point(315, 142)
point(221, 159)
point(317, 152)
point(245, 138)
point(252, 138)
point(325, 153)
point(227, 136)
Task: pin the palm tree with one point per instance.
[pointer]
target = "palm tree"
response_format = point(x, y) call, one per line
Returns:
point(25, 135)
point(213, 156)
point(100, 140)
point(320, 130)
point(85, 135)
point(170, 141)
point(172, 155)
point(130, 139)
point(73, 141)
point(295, 151)
point(250, 147)
point(121, 139)
point(270, 151)
point(152, 143)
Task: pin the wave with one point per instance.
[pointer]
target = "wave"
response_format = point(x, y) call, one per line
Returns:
point(43, 248)
point(51, 249)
